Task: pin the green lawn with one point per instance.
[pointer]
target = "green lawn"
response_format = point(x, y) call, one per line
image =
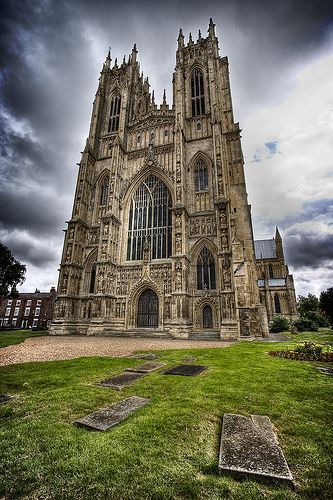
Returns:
point(168, 450)
point(10, 337)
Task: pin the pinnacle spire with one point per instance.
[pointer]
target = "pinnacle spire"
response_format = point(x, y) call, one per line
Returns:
point(164, 97)
point(211, 28)
point(180, 39)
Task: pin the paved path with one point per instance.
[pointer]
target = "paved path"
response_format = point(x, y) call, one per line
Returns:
point(66, 347)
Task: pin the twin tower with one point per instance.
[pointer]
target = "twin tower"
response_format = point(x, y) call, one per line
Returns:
point(160, 242)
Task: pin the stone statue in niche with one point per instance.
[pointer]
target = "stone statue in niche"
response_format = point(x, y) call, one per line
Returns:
point(68, 253)
point(224, 241)
point(106, 228)
point(64, 283)
point(71, 233)
point(178, 222)
point(179, 193)
point(223, 219)
point(178, 243)
point(226, 278)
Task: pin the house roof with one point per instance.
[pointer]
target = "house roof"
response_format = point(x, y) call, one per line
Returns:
point(265, 249)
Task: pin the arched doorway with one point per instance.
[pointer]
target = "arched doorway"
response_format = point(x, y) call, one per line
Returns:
point(207, 317)
point(147, 309)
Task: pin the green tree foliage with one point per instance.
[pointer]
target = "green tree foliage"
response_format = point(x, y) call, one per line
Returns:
point(326, 304)
point(311, 315)
point(279, 324)
point(11, 271)
point(307, 304)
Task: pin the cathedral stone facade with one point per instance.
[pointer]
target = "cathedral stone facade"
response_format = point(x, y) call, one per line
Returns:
point(160, 241)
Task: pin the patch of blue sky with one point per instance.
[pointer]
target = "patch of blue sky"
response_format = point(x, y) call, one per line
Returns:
point(271, 147)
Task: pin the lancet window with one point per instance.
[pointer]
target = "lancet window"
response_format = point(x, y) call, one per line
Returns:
point(270, 271)
point(150, 221)
point(197, 93)
point(200, 176)
point(206, 270)
point(104, 192)
point(277, 304)
point(114, 113)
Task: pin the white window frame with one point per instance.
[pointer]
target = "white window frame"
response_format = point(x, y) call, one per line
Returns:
point(16, 311)
point(28, 302)
point(27, 311)
point(35, 323)
point(39, 303)
point(37, 311)
point(7, 313)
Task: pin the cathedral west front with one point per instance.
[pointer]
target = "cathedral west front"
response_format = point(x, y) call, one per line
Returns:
point(160, 242)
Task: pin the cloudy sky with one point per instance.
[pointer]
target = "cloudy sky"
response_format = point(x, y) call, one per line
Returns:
point(281, 70)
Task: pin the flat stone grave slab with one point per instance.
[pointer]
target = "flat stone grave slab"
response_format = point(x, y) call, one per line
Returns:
point(249, 448)
point(102, 420)
point(187, 370)
point(189, 359)
point(327, 371)
point(147, 356)
point(145, 367)
point(5, 398)
point(120, 381)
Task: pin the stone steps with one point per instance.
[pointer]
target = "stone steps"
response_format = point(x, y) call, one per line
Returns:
point(204, 336)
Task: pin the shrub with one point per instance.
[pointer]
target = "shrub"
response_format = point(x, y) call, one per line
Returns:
point(309, 349)
point(279, 324)
point(305, 324)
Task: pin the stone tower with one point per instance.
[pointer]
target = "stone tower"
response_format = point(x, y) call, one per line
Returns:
point(160, 241)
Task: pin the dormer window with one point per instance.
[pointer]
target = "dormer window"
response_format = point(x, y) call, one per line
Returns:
point(114, 113)
point(197, 93)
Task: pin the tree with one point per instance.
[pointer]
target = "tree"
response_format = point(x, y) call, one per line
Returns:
point(310, 313)
point(307, 304)
point(326, 303)
point(11, 271)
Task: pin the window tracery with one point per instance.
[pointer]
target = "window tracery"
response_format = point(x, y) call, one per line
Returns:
point(150, 220)
point(104, 191)
point(205, 270)
point(197, 93)
point(201, 176)
point(277, 304)
point(114, 113)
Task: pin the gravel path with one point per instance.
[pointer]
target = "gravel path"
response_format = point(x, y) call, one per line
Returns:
point(63, 347)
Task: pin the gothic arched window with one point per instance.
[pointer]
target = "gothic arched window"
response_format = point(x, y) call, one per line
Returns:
point(200, 176)
point(197, 93)
point(270, 271)
point(277, 304)
point(205, 270)
point(150, 219)
point(114, 113)
point(104, 191)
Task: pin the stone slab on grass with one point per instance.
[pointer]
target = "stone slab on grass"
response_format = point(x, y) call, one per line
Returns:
point(5, 398)
point(327, 371)
point(120, 381)
point(102, 420)
point(249, 448)
point(148, 356)
point(187, 370)
point(145, 367)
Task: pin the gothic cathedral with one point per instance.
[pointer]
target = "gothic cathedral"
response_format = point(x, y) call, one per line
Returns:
point(160, 242)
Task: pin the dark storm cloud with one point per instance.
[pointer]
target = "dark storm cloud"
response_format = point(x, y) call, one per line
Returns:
point(51, 53)
point(309, 250)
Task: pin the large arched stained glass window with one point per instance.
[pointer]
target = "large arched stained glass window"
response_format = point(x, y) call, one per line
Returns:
point(197, 93)
point(114, 113)
point(205, 270)
point(150, 219)
point(200, 176)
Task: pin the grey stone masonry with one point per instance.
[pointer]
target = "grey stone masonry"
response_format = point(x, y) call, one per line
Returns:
point(249, 448)
point(102, 420)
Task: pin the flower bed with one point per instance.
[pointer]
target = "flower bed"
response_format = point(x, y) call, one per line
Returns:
point(306, 352)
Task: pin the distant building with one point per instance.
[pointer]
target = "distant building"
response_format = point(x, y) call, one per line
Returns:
point(28, 310)
point(276, 285)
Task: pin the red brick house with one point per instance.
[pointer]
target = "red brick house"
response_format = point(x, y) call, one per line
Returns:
point(28, 310)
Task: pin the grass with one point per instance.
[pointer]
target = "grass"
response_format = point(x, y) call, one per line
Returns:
point(169, 449)
point(9, 337)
